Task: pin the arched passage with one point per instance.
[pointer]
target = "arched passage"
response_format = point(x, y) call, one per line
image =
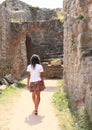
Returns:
point(40, 37)
point(28, 48)
point(21, 46)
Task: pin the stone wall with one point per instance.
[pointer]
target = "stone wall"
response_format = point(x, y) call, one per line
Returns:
point(52, 71)
point(78, 52)
point(4, 40)
point(26, 30)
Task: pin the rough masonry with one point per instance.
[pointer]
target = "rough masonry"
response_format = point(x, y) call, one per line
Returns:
point(78, 52)
point(25, 30)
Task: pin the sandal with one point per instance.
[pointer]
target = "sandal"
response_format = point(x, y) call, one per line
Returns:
point(35, 112)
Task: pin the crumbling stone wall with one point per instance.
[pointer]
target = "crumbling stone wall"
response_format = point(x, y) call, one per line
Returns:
point(26, 30)
point(4, 40)
point(78, 52)
point(53, 70)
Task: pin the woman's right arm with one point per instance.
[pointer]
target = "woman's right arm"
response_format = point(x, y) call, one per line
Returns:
point(28, 79)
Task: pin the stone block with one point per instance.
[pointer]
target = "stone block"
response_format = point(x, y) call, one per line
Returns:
point(53, 71)
point(55, 62)
point(75, 29)
point(85, 37)
point(82, 26)
point(90, 25)
point(90, 1)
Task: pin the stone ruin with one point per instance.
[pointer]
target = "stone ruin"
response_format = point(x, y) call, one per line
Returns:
point(78, 53)
point(53, 69)
point(25, 30)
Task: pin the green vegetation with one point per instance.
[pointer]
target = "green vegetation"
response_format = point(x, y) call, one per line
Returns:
point(83, 120)
point(69, 120)
point(66, 118)
point(80, 17)
point(10, 93)
point(60, 15)
point(83, 47)
point(16, 27)
point(60, 82)
point(34, 11)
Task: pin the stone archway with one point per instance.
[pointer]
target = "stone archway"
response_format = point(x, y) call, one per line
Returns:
point(40, 37)
point(21, 45)
point(44, 27)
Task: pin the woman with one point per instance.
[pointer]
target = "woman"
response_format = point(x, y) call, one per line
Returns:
point(35, 79)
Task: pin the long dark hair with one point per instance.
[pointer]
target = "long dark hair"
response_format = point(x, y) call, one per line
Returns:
point(35, 59)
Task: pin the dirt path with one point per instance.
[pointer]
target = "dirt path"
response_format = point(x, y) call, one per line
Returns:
point(23, 117)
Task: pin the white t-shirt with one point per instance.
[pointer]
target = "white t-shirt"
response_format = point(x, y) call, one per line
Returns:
point(35, 72)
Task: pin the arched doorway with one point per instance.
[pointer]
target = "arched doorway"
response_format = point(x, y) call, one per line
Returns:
point(28, 48)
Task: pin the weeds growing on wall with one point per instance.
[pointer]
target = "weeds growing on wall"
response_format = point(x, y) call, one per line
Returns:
point(80, 17)
point(83, 120)
point(60, 15)
point(68, 119)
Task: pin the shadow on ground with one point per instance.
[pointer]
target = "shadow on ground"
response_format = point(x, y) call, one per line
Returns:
point(33, 119)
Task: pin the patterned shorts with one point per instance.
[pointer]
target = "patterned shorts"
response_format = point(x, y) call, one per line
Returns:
point(36, 86)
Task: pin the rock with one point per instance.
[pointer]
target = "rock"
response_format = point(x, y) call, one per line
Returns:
point(85, 37)
point(82, 26)
point(14, 85)
point(2, 87)
point(90, 25)
point(5, 81)
point(9, 78)
point(53, 71)
point(55, 62)
point(89, 1)
point(78, 62)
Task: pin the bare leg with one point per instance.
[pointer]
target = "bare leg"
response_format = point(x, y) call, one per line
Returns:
point(33, 97)
point(37, 101)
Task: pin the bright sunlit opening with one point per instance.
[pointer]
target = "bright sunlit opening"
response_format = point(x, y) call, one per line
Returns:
point(44, 3)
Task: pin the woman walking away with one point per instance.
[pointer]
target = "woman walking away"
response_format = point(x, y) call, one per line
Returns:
point(35, 80)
